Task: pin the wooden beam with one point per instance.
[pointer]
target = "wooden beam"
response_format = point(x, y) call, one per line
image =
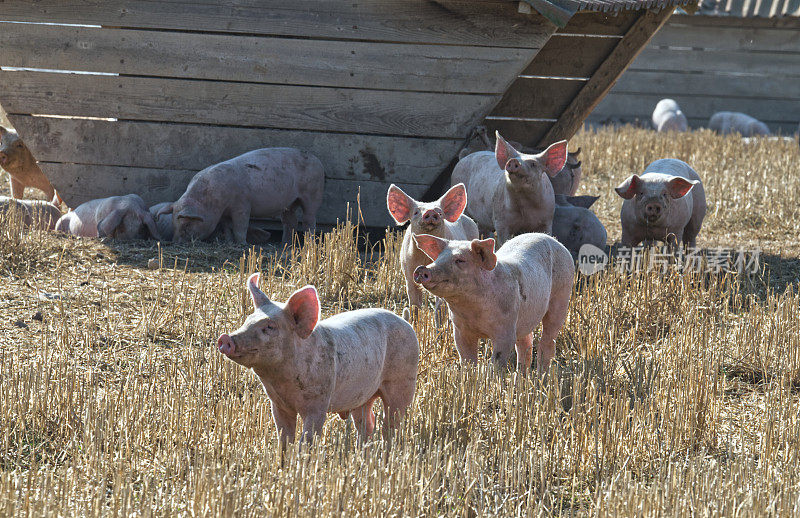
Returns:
point(606, 75)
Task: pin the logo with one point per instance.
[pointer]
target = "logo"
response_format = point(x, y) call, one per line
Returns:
point(591, 259)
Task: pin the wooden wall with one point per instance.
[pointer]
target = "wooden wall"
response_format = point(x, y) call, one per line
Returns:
point(382, 91)
point(709, 64)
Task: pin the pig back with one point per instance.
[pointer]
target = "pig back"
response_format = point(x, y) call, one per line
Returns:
point(483, 178)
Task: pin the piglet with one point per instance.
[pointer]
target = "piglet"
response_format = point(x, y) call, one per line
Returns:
point(36, 214)
point(502, 296)
point(17, 160)
point(666, 203)
point(575, 225)
point(509, 191)
point(667, 116)
point(441, 218)
point(339, 365)
point(737, 122)
point(119, 217)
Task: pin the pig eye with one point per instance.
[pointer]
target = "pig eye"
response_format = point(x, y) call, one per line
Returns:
point(460, 261)
point(416, 212)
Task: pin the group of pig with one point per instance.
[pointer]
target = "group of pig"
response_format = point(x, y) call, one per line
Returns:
point(343, 364)
point(668, 116)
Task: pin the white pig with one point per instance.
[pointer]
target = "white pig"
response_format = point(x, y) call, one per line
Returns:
point(36, 214)
point(575, 225)
point(737, 122)
point(667, 116)
point(119, 217)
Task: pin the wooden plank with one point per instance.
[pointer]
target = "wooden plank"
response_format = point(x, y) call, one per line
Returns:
point(610, 23)
point(525, 132)
point(787, 22)
point(243, 104)
point(641, 105)
point(765, 63)
point(352, 64)
point(571, 56)
point(606, 75)
point(494, 23)
point(679, 85)
point(537, 98)
point(78, 184)
point(194, 147)
point(742, 38)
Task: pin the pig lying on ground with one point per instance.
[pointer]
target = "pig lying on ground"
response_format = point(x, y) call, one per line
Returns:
point(255, 235)
point(730, 122)
point(574, 225)
point(666, 203)
point(509, 191)
point(668, 116)
point(119, 217)
point(339, 365)
point(502, 296)
point(37, 214)
point(22, 168)
point(264, 183)
point(441, 218)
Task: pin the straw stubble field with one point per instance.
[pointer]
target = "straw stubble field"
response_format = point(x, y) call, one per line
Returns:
point(673, 394)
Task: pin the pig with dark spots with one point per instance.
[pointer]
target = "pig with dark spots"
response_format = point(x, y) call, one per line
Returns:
point(441, 218)
point(119, 217)
point(255, 235)
point(502, 296)
point(17, 160)
point(265, 183)
point(37, 214)
point(574, 225)
point(338, 365)
point(509, 191)
point(666, 203)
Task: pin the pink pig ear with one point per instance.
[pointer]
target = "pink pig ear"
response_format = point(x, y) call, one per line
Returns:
point(678, 187)
point(400, 204)
point(630, 187)
point(302, 309)
point(554, 157)
point(484, 251)
point(432, 246)
point(259, 299)
point(503, 151)
point(453, 202)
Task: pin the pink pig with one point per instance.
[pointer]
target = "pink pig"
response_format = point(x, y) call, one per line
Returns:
point(441, 218)
point(339, 365)
point(119, 217)
point(502, 296)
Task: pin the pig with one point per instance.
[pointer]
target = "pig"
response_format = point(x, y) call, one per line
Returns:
point(36, 214)
point(119, 217)
point(17, 160)
point(574, 225)
point(264, 183)
point(668, 116)
point(568, 179)
point(509, 192)
point(255, 234)
point(442, 218)
point(502, 296)
point(736, 122)
point(666, 203)
point(339, 365)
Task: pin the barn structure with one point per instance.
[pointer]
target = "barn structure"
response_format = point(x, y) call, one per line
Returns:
point(731, 55)
point(122, 96)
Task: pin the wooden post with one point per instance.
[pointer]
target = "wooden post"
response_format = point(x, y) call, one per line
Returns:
point(606, 75)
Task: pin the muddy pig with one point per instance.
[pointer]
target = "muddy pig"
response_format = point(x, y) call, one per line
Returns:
point(502, 296)
point(339, 365)
point(442, 218)
point(574, 225)
point(22, 168)
point(37, 214)
point(119, 217)
point(509, 192)
point(666, 203)
point(255, 235)
point(264, 183)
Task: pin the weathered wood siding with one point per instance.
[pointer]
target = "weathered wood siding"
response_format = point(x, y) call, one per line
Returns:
point(709, 64)
point(382, 91)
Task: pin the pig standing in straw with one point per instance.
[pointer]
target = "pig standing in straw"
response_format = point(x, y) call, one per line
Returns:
point(667, 116)
point(339, 365)
point(666, 203)
point(502, 296)
point(509, 191)
point(22, 168)
point(441, 218)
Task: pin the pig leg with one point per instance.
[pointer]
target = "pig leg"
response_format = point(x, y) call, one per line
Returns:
point(312, 425)
point(466, 344)
point(286, 424)
point(629, 238)
point(240, 220)
point(309, 214)
point(501, 348)
point(551, 324)
point(396, 396)
point(289, 220)
point(17, 189)
point(525, 352)
point(364, 419)
point(414, 293)
point(690, 233)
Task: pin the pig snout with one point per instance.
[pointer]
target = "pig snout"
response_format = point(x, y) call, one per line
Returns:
point(431, 217)
point(422, 275)
point(652, 211)
point(226, 345)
